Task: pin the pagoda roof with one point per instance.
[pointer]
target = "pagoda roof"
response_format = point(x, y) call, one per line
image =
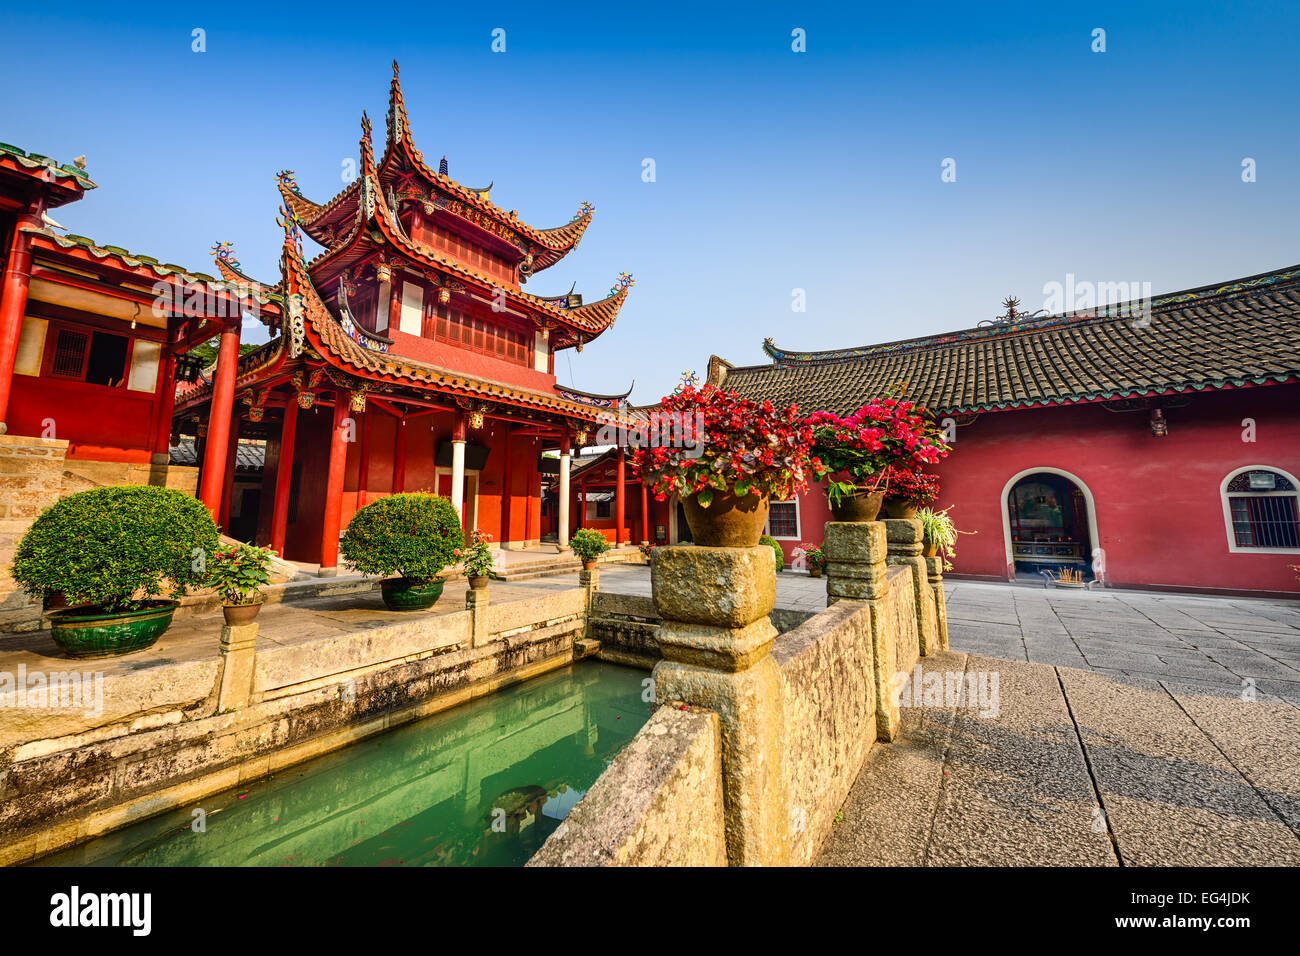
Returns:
point(401, 164)
point(312, 333)
point(65, 183)
point(1229, 334)
point(375, 227)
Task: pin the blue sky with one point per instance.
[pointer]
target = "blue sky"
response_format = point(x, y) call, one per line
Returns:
point(774, 170)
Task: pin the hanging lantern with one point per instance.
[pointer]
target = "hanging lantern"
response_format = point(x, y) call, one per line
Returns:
point(188, 367)
point(1159, 424)
point(383, 272)
point(582, 436)
point(476, 419)
point(444, 295)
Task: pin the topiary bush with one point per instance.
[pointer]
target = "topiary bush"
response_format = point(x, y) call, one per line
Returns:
point(771, 542)
point(105, 546)
point(411, 535)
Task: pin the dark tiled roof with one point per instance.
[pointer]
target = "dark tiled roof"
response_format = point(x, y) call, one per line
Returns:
point(1231, 334)
point(249, 455)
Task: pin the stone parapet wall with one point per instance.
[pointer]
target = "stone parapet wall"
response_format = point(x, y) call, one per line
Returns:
point(174, 733)
point(658, 804)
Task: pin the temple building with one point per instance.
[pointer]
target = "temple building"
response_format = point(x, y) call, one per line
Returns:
point(406, 356)
point(1146, 445)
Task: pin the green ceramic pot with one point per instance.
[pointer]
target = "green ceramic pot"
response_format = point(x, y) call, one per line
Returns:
point(88, 632)
point(409, 594)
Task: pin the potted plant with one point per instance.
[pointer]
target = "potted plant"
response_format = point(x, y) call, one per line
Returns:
point(940, 535)
point(239, 573)
point(909, 489)
point(410, 536)
point(588, 544)
point(110, 552)
point(855, 454)
point(477, 560)
point(772, 543)
point(647, 549)
point(815, 559)
point(724, 457)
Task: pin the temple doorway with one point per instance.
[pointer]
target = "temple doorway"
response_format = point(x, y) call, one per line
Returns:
point(1049, 525)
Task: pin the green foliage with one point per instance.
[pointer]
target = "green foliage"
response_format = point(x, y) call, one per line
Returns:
point(588, 544)
point(776, 549)
point(411, 535)
point(939, 530)
point(240, 572)
point(105, 546)
point(814, 557)
point(476, 557)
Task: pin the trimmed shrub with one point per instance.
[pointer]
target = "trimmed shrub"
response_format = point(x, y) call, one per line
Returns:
point(771, 542)
point(105, 546)
point(411, 535)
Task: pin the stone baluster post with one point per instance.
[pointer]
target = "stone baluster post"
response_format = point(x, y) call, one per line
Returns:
point(906, 540)
point(935, 566)
point(476, 602)
point(589, 581)
point(716, 639)
point(855, 571)
point(238, 657)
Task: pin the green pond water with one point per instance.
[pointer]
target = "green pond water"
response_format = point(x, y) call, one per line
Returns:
point(482, 784)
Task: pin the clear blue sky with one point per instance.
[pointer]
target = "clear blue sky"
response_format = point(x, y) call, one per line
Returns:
point(775, 170)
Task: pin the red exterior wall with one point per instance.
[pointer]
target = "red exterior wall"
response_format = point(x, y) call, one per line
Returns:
point(1158, 507)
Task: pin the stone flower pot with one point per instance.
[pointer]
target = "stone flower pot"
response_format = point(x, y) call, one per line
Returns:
point(589, 564)
point(237, 615)
point(930, 549)
point(859, 507)
point(903, 507)
point(90, 632)
point(478, 581)
point(814, 572)
point(728, 521)
point(410, 594)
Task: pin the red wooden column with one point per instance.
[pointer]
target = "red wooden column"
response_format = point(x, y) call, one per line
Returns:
point(363, 467)
point(645, 515)
point(162, 437)
point(399, 456)
point(329, 545)
point(284, 478)
point(223, 400)
point(619, 492)
point(13, 303)
point(582, 505)
point(228, 482)
point(506, 476)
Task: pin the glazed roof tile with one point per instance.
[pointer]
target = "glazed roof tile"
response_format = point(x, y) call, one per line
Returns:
point(1226, 335)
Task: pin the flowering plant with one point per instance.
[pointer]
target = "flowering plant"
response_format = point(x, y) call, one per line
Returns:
point(912, 484)
point(722, 443)
point(646, 548)
point(883, 435)
point(476, 557)
point(588, 544)
point(239, 573)
point(814, 557)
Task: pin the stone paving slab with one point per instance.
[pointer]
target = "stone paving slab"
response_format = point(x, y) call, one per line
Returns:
point(1079, 768)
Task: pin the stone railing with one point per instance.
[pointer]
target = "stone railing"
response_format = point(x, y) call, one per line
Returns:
point(797, 713)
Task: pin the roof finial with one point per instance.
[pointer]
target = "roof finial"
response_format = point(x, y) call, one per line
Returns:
point(442, 166)
point(365, 125)
point(395, 70)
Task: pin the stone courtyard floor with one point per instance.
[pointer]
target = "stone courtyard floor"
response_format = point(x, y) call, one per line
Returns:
point(1120, 735)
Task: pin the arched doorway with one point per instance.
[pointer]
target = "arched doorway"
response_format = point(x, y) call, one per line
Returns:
point(1049, 523)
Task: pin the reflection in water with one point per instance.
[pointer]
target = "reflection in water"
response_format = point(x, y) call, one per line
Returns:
point(483, 784)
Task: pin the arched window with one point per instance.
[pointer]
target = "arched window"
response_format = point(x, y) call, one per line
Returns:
point(1260, 508)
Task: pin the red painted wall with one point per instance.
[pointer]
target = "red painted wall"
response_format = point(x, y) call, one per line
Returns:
point(101, 423)
point(1158, 508)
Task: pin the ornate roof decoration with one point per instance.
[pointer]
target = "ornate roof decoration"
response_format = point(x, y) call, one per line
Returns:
point(1244, 332)
point(68, 174)
point(597, 401)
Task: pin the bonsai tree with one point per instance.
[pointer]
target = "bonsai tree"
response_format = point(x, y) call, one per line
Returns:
point(113, 549)
point(588, 544)
point(239, 573)
point(771, 542)
point(413, 536)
